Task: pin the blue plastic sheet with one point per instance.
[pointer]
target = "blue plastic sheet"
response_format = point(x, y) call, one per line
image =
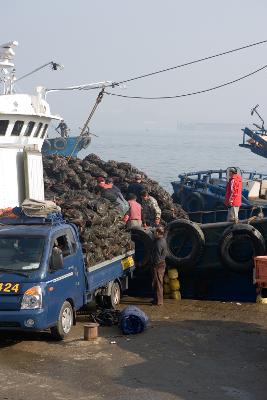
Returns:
point(132, 320)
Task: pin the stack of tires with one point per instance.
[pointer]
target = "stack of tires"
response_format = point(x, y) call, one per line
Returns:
point(172, 285)
point(236, 247)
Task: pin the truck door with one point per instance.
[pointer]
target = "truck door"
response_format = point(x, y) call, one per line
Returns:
point(66, 282)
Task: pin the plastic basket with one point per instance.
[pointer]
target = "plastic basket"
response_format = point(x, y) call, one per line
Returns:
point(260, 271)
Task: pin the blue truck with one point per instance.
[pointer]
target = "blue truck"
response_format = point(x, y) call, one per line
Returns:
point(44, 279)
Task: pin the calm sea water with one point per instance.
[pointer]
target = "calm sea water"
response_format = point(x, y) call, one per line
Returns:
point(163, 155)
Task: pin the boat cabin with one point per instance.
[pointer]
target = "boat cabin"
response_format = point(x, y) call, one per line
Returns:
point(24, 122)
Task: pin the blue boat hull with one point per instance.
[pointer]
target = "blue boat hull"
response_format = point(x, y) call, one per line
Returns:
point(205, 191)
point(68, 147)
point(256, 142)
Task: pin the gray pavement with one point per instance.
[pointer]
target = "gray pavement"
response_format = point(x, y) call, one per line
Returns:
point(192, 350)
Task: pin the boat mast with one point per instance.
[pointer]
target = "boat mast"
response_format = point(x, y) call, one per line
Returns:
point(7, 71)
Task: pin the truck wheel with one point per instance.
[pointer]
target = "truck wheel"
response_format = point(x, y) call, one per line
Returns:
point(114, 299)
point(65, 322)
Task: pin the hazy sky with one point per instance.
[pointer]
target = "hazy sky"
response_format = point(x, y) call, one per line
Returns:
point(119, 39)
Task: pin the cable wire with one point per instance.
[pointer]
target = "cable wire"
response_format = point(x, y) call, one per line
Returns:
point(113, 84)
point(191, 62)
point(191, 93)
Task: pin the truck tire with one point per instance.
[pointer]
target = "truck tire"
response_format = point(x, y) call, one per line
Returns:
point(194, 202)
point(64, 323)
point(185, 241)
point(114, 299)
point(239, 245)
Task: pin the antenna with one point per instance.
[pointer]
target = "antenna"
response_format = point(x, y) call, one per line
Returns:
point(254, 110)
point(7, 76)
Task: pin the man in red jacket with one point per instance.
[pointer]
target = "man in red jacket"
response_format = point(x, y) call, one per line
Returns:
point(233, 195)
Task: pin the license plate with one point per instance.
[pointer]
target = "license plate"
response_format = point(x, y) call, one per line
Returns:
point(127, 262)
point(8, 287)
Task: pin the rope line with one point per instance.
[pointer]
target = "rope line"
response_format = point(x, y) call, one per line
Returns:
point(191, 93)
point(98, 100)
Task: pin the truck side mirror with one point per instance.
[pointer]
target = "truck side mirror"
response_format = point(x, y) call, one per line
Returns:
point(56, 259)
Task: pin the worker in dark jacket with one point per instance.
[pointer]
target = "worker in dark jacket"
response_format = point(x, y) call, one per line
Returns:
point(136, 187)
point(112, 193)
point(158, 255)
point(107, 190)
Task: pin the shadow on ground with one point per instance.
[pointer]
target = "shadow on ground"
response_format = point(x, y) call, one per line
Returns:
point(200, 360)
point(187, 360)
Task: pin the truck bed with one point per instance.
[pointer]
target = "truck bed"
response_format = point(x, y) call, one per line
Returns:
point(110, 270)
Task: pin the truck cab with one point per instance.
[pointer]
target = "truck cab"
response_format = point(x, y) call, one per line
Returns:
point(41, 269)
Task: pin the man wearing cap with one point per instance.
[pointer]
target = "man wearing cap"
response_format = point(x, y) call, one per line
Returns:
point(233, 195)
point(136, 187)
point(151, 213)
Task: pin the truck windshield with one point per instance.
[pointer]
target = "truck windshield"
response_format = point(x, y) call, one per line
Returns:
point(20, 253)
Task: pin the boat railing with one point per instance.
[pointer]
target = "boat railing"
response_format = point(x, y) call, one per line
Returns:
point(245, 213)
point(206, 176)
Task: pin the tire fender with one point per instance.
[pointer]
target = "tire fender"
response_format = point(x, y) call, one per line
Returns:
point(59, 144)
point(185, 241)
point(143, 243)
point(239, 244)
point(194, 202)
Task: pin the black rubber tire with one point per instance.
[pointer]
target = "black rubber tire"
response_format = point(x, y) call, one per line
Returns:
point(234, 241)
point(190, 240)
point(59, 332)
point(145, 239)
point(113, 300)
point(194, 202)
point(59, 144)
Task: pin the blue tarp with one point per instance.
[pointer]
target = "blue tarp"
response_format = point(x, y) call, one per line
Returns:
point(132, 320)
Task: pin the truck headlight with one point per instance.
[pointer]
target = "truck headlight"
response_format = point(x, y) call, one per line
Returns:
point(32, 298)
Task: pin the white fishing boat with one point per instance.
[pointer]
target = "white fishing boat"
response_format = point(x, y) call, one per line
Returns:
point(24, 122)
